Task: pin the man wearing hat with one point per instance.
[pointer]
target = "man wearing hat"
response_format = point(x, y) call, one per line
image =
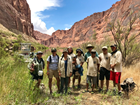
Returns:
point(104, 67)
point(88, 54)
point(36, 66)
point(93, 68)
point(89, 48)
point(116, 66)
point(52, 68)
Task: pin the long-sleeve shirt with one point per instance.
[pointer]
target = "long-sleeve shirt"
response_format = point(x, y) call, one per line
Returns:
point(61, 67)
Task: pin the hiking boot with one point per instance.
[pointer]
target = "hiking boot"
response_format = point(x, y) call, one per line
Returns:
point(119, 93)
point(73, 86)
point(100, 90)
point(79, 86)
point(106, 91)
point(114, 92)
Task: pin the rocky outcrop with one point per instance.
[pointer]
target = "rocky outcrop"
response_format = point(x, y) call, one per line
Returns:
point(16, 15)
point(84, 30)
point(40, 37)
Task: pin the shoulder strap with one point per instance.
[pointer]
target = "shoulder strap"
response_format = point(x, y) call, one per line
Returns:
point(50, 59)
point(43, 63)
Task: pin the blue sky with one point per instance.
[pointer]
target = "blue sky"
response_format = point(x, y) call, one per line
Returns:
point(51, 15)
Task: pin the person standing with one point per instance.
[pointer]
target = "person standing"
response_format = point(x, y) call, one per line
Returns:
point(79, 69)
point(36, 66)
point(65, 70)
point(93, 67)
point(116, 66)
point(52, 68)
point(88, 54)
point(71, 55)
point(104, 67)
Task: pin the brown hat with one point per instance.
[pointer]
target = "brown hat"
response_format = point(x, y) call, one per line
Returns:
point(89, 46)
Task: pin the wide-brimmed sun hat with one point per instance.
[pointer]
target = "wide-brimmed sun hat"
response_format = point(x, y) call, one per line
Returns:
point(39, 52)
point(89, 46)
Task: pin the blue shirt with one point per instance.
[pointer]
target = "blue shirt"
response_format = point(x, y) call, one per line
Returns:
point(54, 62)
point(66, 67)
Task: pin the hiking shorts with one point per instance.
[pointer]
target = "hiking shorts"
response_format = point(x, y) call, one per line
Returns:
point(94, 79)
point(115, 76)
point(36, 77)
point(104, 73)
point(53, 73)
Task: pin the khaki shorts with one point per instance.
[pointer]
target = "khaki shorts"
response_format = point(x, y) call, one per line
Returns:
point(53, 73)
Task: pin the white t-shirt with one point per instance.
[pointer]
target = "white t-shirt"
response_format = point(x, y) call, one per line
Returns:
point(80, 59)
point(105, 60)
point(54, 62)
point(116, 58)
point(92, 66)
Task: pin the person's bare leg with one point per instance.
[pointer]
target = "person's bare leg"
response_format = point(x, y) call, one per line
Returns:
point(58, 81)
point(79, 80)
point(73, 80)
point(102, 83)
point(69, 82)
point(38, 83)
point(107, 84)
point(119, 87)
point(93, 87)
point(50, 85)
point(87, 86)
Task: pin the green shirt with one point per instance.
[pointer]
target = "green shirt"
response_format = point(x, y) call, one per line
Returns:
point(88, 54)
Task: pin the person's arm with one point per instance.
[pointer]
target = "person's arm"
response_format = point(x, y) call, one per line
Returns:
point(70, 68)
point(118, 60)
point(59, 65)
point(30, 66)
point(98, 65)
point(48, 63)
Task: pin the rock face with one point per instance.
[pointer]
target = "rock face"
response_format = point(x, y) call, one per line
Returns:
point(16, 15)
point(40, 37)
point(84, 30)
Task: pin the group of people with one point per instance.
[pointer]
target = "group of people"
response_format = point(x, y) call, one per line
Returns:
point(69, 65)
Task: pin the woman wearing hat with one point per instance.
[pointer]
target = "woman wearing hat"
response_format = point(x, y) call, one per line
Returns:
point(78, 71)
point(65, 70)
point(36, 67)
point(52, 68)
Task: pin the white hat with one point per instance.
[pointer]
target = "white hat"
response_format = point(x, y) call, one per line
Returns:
point(104, 47)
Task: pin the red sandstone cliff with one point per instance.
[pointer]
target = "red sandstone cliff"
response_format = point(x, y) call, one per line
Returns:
point(16, 15)
point(40, 37)
point(83, 30)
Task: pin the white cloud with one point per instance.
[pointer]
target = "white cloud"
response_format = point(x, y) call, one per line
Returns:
point(36, 7)
point(66, 28)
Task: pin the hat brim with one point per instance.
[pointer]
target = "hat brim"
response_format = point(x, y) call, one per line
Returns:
point(39, 53)
point(89, 47)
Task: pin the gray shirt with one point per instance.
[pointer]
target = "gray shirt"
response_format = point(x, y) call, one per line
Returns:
point(54, 62)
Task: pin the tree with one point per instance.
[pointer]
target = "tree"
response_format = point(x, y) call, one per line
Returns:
point(125, 39)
